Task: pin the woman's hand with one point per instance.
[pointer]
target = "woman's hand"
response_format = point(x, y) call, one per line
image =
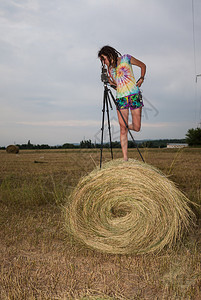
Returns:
point(112, 83)
point(139, 82)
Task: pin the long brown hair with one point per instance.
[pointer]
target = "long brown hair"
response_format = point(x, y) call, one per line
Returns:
point(111, 53)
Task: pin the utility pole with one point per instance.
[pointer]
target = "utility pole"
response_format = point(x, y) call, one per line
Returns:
point(196, 79)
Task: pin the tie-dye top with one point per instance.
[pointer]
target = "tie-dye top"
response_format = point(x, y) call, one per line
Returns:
point(124, 77)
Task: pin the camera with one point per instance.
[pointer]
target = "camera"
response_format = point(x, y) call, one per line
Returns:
point(104, 75)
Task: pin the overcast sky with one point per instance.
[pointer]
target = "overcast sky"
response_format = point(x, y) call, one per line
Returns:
point(50, 87)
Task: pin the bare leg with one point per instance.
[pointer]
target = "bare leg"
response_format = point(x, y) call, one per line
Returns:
point(136, 119)
point(123, 132)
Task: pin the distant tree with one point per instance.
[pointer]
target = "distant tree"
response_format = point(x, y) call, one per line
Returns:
point(193, 137)
point(131, 144)
point(43, 146)
point(147, 144)
point(116, 144)
point(68, 146)
point(29, 145)
point(86, 144)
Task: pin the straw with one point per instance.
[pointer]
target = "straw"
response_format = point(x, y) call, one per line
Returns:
point(127, 207)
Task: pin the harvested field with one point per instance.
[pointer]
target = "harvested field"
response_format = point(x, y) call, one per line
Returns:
point(39, 260)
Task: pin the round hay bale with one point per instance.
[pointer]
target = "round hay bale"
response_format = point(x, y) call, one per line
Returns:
point(127, 207)
point(12, 149)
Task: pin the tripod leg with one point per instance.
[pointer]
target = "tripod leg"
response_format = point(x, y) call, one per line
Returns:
point(102, 128)
point(108, 120)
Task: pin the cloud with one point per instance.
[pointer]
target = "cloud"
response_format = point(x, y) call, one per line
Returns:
point(68, 123)
point(49, 69)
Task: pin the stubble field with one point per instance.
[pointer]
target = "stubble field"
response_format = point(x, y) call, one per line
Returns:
point(39, 260)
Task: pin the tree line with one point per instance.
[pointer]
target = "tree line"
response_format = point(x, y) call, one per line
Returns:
point(193, 138)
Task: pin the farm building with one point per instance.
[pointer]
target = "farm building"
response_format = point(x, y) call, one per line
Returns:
point(176, 145)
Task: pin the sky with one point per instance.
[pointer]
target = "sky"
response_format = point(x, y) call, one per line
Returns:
point(50, 86)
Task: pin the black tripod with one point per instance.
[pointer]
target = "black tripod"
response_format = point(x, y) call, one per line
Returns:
point(106, 103)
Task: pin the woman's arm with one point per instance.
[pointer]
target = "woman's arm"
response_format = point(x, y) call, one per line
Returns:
point(112, 83)
point(111, 80)
point(141, 65)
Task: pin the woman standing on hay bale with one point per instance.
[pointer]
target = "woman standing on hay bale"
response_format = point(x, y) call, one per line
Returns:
point(128, 93)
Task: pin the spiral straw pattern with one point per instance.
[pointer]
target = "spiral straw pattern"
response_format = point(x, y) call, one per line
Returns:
point(127, 207)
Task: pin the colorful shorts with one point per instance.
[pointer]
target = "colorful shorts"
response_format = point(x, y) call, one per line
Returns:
point(132, 101)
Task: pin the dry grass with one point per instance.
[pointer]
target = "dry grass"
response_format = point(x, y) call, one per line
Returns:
point(127, 207)
point(40, 261)
point(12, 149)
